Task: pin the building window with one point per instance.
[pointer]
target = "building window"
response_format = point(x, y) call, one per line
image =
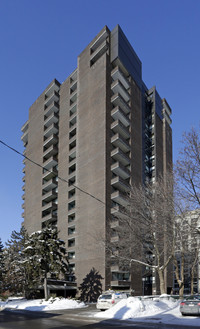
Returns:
point(71, 243)
point(71, 255)
point(71, 218)
point(71, 230)
point(72, 169)
point(71, 205)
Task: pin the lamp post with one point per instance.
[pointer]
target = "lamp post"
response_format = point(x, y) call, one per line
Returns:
point(143, 281)
point(65, 290)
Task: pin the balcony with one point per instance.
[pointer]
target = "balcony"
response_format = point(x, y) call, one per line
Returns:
point(71, 179)
point(73, 109)
point(120, 156)
point(52, 118)
point(53, 97)
point(114, 268)
point(49, 185)
point(118, 169)
point(118, 141)
point(72, 156)
point(51, 140)
point(49, 206)
point(114, 239)
point(73, 98)
point(114, 223)
point(73, 87)
point(99, 52)
point(49, 218)
point(52, 150)
point(50, 163)
point(117, 74)
point(49, 174)
point(73, 77)
point(49, 196)
point(118, 183)
point(118, 127)
point(51, 130)
point(117, 100)
point(71, 194)
point(120, 283)
point(71, 243)
point(25, 126)
point(117, 87)
point(99, 41)
point(52, 108)
point(72, 121)
point(24, 137)
point(72, 162)
point(118, 211)
point(118, 114)
point(119, 198)
point(55, 86)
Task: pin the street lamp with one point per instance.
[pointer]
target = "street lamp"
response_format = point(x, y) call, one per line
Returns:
point(143, 280)
point(65, 290)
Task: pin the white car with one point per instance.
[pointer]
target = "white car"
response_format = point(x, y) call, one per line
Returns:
point(109, 298)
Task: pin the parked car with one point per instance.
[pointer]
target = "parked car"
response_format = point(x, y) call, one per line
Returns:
point(190, 305)
point(110, 298)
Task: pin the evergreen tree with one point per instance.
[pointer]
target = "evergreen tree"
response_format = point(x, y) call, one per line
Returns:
point(45, 257)
point(2, 266)
point(15, 278)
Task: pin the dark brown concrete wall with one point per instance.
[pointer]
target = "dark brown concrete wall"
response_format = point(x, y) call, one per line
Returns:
point(63, 162)
point(91, 165)
point(33, 174)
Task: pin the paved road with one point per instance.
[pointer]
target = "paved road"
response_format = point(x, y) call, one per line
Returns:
point(70, 319)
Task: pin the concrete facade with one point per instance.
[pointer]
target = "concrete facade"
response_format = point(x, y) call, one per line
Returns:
point(96, 133)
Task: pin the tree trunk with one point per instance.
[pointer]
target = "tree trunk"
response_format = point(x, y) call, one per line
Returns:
point(162, 281)
point(46, 295)
point(193, 270)
point(180, 275)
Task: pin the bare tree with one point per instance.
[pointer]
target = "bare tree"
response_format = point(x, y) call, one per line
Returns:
point(188, 193)
point(188, 168)
point(143, 232)
point(186, 249)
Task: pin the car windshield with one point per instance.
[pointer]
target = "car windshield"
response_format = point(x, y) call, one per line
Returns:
point(105, 297)
point(117, 295)
point(197, 297)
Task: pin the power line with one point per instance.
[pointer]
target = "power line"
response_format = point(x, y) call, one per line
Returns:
point(62, 179)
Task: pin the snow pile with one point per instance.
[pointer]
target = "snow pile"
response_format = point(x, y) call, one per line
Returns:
point(163, 309)
point(41, 304)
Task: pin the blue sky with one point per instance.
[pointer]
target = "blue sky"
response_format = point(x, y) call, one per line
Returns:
point(41, 39)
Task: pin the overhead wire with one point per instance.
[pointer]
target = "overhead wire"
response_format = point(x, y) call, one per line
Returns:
point(60, 178)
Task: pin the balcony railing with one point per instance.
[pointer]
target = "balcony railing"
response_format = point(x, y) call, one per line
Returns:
point(118, 141)
point(117, 74)
point(118, 114)
point(117, 100)
point(118, 169)
point(117, 87)
point(118, 183)
point(120, 156)
point(118, 127)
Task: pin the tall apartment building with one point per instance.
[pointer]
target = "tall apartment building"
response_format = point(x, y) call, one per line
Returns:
point(100, 130)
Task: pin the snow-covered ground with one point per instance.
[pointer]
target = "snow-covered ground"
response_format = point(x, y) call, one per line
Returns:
point(160, 310)
point(41, 304)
